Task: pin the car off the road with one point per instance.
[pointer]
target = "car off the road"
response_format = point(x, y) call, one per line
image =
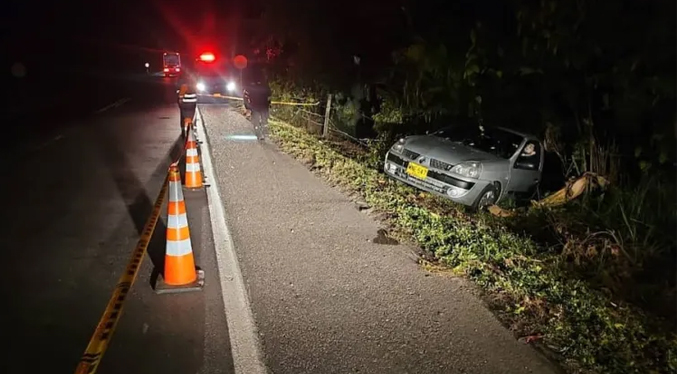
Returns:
point(470, 165)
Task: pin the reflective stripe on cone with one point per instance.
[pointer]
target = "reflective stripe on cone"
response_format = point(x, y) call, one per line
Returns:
point(193, 171)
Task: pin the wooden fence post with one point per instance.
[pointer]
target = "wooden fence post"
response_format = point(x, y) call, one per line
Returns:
point(325, 128)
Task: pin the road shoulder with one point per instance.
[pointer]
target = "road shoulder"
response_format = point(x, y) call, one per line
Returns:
point(243, 335)
point(174, 333)
point(324, 296)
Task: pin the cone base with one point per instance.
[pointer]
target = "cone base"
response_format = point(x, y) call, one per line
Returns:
point(193, 181)
point(161, 287)
point(180, 270)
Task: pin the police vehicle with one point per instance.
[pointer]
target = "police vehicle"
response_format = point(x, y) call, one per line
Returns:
point(215, 77)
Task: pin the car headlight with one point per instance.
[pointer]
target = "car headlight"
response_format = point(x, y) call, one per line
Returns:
point(468, 169)
point(399, 146)
point(201, 86)
point(230, 86)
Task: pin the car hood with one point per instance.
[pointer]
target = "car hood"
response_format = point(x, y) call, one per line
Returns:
point(215, 79)
point(445, 150)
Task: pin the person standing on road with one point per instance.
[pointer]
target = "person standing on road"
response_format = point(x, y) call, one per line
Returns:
point(187, 104)
point(257, 99)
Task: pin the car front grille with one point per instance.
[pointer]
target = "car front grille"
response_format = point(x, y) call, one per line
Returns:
point(437, 164)
point(432, 175)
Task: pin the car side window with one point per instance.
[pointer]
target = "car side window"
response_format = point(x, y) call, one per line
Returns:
point(530, 157)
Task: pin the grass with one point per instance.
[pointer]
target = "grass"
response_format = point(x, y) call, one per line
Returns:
point(530, 285)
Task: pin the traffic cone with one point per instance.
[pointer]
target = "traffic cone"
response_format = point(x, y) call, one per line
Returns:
point(180, 274)
point(193, 171)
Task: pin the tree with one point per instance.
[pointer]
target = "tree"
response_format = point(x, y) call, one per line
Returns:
point(595, 68)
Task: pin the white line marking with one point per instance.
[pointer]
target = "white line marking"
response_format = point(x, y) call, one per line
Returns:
point(123, 101)
point(48, 142)
point(244, 340)
point(114, 105)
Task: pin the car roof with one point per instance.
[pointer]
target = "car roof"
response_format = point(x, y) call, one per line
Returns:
point(470, 122)
point(519, 133)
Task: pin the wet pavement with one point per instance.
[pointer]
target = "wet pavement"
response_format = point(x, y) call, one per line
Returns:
point(77, 197)
point(325, 298)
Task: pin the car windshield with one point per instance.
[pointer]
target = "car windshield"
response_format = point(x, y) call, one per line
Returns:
point(212, 70)
point(171, 60)
point(495, 141)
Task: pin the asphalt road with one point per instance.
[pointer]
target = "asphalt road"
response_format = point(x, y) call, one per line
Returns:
point(314, 290)
point(325, 298)
point(79, 185)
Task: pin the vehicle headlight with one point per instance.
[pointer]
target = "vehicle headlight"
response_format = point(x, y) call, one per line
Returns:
point(230, 86)
point(399, 146)
point(201, 86)
point(468, 169)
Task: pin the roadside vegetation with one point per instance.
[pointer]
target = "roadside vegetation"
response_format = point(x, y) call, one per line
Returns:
point(548, 293)
point(592, 281)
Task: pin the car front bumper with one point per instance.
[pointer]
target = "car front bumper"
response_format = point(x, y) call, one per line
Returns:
point(219, 87)
point(460, 190)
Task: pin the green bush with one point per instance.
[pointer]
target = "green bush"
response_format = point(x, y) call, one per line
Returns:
point(533, 291)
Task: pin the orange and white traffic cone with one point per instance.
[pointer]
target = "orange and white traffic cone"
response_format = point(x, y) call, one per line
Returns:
point(193, 171)
point(180, 273)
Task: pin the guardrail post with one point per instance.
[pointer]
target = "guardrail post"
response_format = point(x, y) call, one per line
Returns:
point(325, 127)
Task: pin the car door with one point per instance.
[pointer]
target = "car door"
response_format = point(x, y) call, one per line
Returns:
point(525, 171)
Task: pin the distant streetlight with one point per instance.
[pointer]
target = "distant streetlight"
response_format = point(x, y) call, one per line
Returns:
point(147, 65)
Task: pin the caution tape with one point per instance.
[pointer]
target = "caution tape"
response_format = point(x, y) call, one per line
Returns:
point(221, 96)
point(272, 102)
point(293, 103)
point(104, 330)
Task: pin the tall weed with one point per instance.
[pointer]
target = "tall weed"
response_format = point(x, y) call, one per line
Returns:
point(624, 241)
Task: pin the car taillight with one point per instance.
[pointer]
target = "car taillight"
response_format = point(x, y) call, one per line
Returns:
point(166, 70)
point(177, 69)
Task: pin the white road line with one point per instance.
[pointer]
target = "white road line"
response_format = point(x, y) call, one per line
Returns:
point(105, 108)
point(50, 141)
point(122, 101)
point(244, 340)
point(114, 105)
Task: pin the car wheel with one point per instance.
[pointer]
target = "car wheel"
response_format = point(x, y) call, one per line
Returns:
point(487, 198)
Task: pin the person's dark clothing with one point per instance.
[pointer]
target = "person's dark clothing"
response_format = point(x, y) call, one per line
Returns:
point(258, 97)
point(187, 99)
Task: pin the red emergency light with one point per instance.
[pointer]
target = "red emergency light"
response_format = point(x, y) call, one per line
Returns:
point(207, 57)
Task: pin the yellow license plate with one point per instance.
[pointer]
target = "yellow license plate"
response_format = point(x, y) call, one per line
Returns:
point(417, 171)
point(217, 94)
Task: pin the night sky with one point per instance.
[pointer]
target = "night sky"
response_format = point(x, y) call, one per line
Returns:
point(112, 34)
point(123, 35)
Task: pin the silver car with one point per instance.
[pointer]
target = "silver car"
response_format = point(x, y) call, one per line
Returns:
point(473, 166)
